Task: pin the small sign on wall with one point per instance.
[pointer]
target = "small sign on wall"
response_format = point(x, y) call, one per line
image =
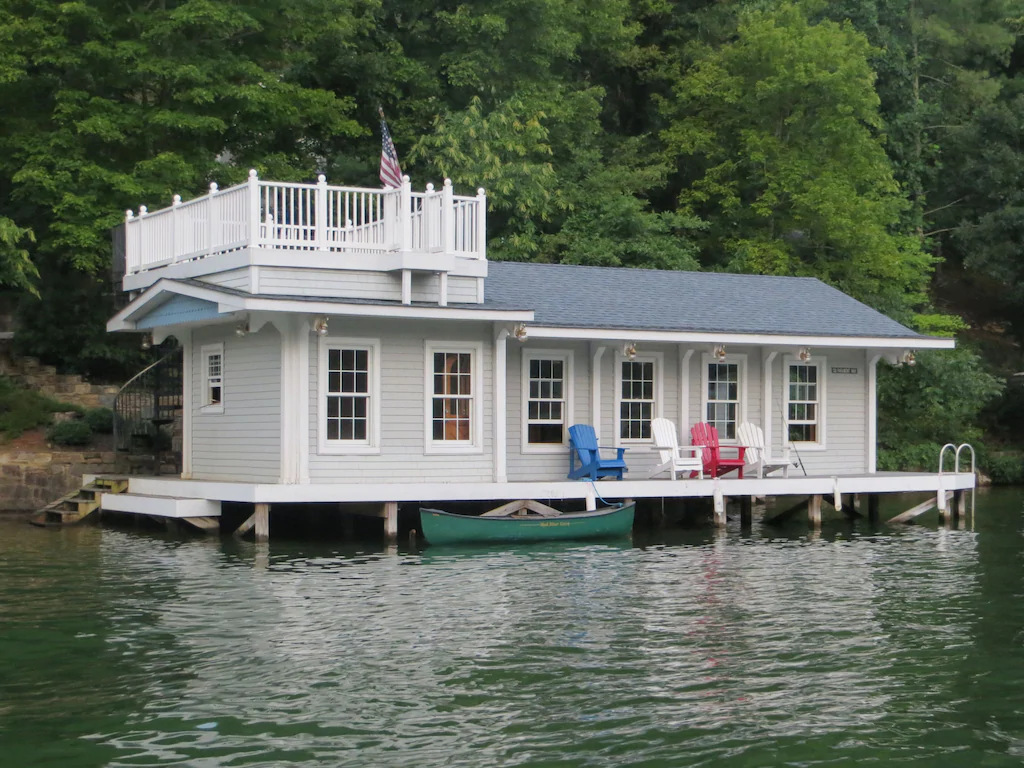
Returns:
point(852, 371)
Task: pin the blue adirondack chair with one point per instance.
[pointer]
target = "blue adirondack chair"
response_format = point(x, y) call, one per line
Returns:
point(583, 446)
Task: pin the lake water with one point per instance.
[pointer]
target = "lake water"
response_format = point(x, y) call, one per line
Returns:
point(688, 647)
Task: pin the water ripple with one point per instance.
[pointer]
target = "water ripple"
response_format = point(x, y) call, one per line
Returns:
point(123, 649)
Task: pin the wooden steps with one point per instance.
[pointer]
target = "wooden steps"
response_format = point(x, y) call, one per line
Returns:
point(78, 505)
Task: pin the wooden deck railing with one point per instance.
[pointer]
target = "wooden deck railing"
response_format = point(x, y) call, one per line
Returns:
point(307, 217)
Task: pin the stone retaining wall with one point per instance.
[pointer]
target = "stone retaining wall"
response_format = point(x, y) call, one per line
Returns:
point(30, 480)
point(68, 388)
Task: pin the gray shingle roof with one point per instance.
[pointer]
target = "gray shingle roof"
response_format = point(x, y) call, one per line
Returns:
point(565, 295)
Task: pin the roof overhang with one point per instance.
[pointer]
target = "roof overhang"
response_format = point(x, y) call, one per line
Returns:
point(752, 339)
point(232, 303)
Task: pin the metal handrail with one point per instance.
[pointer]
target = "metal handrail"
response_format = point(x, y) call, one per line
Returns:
point(942, 454)
point(141, 401)
point(960, 447)
point(144, 371)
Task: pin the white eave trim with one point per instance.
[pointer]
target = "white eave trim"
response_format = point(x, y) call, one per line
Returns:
point(227, 303)
point(754, 339)
point(123, 321)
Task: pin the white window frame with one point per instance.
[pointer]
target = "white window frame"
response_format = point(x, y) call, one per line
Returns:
point(476, 416)
point(566, 357)
point(371, 445)
point(205, 353)
point(822, 365)
point(658, 358)
point(740, 360)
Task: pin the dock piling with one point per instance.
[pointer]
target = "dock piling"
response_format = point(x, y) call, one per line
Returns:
point(746, 511)
point(262, 515)
point(814, 511)
point(390, 515)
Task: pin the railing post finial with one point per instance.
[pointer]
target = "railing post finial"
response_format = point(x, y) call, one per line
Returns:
point(129, 215)
point(213, 187)
point(143, 210)
point(176, 200)
point(430, 188)
point(253, 174)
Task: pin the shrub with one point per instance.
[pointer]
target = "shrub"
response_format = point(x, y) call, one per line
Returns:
point(101, 420)
point(23, 409)
point(1005, 468)
point(74, 432)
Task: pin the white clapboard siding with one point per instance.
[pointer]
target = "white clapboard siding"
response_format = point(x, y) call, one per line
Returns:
point(342, 283)
point(244, 442)
point(845, 414)
point(403, 405)
point(426, 287)
point(542, 466)
point(461, 290)
point(233, 278)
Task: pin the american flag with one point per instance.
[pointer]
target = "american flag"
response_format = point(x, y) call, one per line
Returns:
point(390, 172)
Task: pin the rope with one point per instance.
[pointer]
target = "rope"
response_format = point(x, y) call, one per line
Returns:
point(598, 494)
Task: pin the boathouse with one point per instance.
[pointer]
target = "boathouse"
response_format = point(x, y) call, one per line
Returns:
point(356, 346)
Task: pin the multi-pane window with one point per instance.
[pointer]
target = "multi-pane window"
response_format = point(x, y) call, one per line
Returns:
point(348, 394)
point(546, 401)
point(452, 398)
point(723, 398)
point(803, 401)
point(213, 374)
point(637, 403)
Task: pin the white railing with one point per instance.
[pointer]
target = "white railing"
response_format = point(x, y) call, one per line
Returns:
point(307, 217)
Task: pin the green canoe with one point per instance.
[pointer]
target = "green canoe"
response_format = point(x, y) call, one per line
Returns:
point(446, 528)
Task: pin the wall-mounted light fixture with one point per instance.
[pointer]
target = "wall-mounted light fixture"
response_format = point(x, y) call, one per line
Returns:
point(147, 340)
point(520, 332)
point(804, 355)
point(908, 358)
point(320, 325)
point(719, 352)
point(629, 350)
point(242, 328)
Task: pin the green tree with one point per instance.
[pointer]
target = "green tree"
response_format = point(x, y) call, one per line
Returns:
point(939, 400)
point(110, 105)
point(16, 267)
point(783, 123)
point(553, 198)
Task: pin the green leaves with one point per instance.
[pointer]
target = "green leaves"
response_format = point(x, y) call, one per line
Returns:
point(783, 122)
point(16, 267)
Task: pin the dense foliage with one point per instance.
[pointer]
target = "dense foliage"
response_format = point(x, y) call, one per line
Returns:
point(875, 144)
point(23, 409)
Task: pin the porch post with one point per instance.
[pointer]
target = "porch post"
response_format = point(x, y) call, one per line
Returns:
point(187, 385)
point(872, 411)
point(294, 399)
point(684, 394)
point(766, 394)
point(500, 406)
point(302, 332)
point(597, 352)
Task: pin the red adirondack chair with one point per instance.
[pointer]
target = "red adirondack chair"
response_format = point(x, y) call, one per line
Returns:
point(714, 464)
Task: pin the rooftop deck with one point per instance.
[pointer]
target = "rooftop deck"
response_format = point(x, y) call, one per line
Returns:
point(307, 218)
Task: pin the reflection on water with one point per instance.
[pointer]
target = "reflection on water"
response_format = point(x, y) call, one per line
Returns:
point(684, 649)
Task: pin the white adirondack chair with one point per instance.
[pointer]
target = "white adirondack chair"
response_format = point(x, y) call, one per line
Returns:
point(674, 458)
point(752, 436)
